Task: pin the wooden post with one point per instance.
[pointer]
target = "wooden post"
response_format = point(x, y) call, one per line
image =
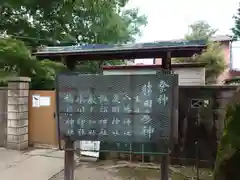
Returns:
point(130, 157)
point(166, 61)
point(142, 153)
point(166, 65)
point(164, 167)
point(69, 160)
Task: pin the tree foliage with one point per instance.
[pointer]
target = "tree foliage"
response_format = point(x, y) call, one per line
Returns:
point(70, 21)
point(60, 22)
point(236, 28)
point(213, 56)
point(228, 155)
point(16, 60)
point(200, 30)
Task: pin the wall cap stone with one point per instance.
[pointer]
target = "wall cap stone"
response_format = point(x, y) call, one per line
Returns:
point(19, 79)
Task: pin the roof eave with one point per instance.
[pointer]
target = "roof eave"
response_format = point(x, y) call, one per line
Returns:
point(128, 53)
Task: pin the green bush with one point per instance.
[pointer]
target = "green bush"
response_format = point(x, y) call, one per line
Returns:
point(228, 157)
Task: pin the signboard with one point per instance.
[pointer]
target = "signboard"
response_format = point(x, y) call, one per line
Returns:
point(119, 108)
point(39, 101)
point(35, 100)
point(87, 148)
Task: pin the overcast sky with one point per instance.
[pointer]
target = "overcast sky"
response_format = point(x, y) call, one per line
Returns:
point(169, 19)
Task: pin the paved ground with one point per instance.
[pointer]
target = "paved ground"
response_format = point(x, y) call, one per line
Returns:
point(38, 164)
point(109, 170)
point(45, 164)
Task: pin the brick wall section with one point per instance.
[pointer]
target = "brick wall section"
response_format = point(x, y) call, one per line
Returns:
point(17, 113)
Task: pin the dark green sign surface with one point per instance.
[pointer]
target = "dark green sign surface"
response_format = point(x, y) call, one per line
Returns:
point(115, 109)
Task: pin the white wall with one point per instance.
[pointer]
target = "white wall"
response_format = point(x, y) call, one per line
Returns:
point(187, 76)
point(190, 76)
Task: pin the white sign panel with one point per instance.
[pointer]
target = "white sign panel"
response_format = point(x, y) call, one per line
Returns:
point(35, 100)
point(89, 148)
point(45, 101)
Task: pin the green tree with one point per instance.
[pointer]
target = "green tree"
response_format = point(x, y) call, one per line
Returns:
point(16, 60)
point(70, 21)
point(236, 28)
point(228, 155)
point(213, 56)
point(61, 22)
point(200, 30)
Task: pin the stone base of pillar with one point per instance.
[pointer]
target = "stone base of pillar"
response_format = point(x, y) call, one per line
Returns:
point(17, 138)
point(16, 146)
point(17, 128)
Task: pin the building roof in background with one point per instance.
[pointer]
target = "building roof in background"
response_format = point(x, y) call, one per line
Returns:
point(221, 38)
point(153, 66)
point(217, 38)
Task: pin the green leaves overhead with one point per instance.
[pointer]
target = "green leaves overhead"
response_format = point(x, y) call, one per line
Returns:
point(16, 60)
point(15, 57)
point(236, 28)
point(83, 21)
point(60, 22)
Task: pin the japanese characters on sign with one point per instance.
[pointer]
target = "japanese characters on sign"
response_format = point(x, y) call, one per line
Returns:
point(121, 108)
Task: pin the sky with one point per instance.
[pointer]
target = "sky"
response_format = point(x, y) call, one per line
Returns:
point(169, 19)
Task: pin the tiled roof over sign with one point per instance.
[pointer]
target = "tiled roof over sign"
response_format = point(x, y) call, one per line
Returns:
point(109, 48)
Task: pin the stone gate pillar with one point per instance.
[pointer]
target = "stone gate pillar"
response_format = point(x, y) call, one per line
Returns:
point(17, 113)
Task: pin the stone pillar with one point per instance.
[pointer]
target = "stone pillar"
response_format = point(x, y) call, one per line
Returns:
point(17, 113)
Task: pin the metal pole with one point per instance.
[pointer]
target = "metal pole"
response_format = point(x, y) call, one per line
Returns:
point(164, 167)
point(69, 160)
point(197, 146)
point(197, 160)
point(130, 157)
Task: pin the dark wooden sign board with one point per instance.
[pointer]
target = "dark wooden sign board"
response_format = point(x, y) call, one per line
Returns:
point(114, 109)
